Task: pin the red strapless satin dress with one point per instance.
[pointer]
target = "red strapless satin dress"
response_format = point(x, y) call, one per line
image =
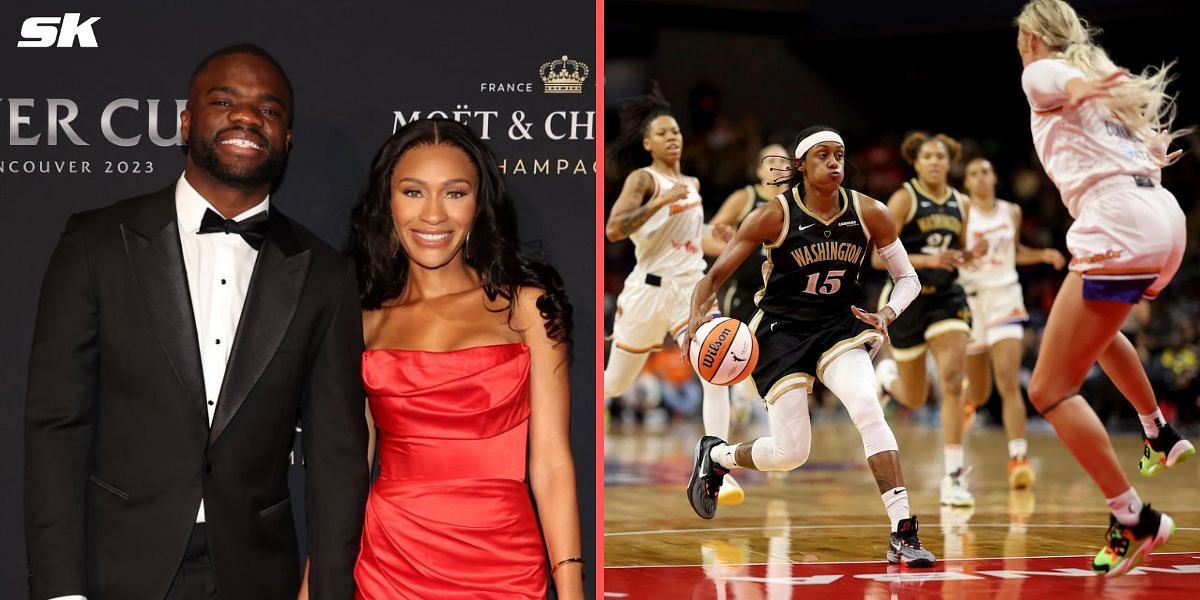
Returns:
point(450, 515)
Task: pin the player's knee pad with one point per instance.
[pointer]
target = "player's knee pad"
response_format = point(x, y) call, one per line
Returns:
point(877, 437)
point(791, 433)
point(780, 452)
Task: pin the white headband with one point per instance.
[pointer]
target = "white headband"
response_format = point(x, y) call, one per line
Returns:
point(807, 143)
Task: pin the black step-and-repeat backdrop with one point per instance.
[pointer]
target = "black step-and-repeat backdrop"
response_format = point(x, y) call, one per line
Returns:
point(89, 100)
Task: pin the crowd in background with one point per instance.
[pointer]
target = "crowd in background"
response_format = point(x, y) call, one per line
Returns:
point(721, 151)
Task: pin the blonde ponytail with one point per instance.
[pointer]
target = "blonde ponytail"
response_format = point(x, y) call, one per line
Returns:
point(1140, 102)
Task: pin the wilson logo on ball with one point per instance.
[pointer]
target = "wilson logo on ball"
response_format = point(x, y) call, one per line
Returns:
point(724, 351)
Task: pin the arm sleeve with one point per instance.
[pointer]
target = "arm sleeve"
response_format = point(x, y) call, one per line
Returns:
point(335, 442)
point(904, 277)
point(60, 400)
point(1045, 83)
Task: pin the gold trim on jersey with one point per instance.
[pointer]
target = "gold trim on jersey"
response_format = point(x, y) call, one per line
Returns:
point(855, 196)
point(912, 209)
point(866, 337)
point(930, 196)
point(767, 267)
point(907, 354)
point(786, 384)
point(845, 202)
point(787, 222)
point(755, 321)
point(946, 326)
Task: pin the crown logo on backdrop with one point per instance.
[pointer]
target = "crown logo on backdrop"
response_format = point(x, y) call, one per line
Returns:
point(563, 76)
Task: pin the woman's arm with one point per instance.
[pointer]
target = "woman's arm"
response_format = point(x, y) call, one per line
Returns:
point(629, 214)
point(763, 226)
point(1026, 255)
point(551, 466)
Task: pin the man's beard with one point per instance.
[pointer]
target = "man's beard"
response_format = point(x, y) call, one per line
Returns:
point(204, 154)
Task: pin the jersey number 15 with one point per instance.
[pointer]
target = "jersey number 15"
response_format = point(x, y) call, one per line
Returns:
point(829, 286)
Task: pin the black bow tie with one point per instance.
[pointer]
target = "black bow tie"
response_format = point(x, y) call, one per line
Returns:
point(253, 230)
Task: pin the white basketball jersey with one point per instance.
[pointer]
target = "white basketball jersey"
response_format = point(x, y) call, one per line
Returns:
point(669, 243)
point(998, 267)
point(1078, 147)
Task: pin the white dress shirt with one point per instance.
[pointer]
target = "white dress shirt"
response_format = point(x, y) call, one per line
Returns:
point(218, 268)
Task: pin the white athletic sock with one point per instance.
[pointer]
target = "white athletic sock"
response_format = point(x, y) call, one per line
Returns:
point(1150, 422)
point(1018, 447)
point(895, 501)
point(723, 455)
point(1126, 507)
point(716, 410)
point(953, 456)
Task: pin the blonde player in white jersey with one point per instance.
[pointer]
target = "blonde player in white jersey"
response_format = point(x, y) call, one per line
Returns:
point(998, 311)
point(1102, 135)
point(660, 211)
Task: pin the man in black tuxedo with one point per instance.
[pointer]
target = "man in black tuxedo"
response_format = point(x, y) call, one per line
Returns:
point(179, 337)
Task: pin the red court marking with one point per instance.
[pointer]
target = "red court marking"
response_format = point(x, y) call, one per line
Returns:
point(1165, 575)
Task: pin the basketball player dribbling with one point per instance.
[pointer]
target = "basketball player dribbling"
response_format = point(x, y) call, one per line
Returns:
point(931, 216)
point(998, 311)
point(660, 211)
point(809, 327)
point(1126, 244)
point(736, 298)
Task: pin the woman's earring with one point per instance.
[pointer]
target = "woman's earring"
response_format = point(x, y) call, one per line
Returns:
point(467, 246)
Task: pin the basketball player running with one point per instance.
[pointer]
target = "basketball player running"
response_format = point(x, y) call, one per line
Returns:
point(737, 296)
point(931, 217)
point(998, 311)
point(1102, 135)
point(809, 326)
point(660, 210)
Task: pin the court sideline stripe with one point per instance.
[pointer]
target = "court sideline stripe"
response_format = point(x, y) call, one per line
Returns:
point(858, 526)
point(863, 562)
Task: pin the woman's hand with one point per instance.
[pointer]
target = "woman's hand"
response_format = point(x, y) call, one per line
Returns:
point(948, 259)
point(879, 320)
point(1055, 258)
point(980, 249)
point(679, 191)
point(695, 320)
point(1080, 90)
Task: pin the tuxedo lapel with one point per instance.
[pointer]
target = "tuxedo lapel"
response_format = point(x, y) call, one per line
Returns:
point(151, 241)
point(271, 300)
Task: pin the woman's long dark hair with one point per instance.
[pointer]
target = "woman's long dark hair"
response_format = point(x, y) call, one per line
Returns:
point(492, 249)
point(636, 114)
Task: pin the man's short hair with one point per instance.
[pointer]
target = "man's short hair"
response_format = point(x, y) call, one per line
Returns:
point(253, 50)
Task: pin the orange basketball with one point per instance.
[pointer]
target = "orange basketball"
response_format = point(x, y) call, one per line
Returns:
point(724, 351)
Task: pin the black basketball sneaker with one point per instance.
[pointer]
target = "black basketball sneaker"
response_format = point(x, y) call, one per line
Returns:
point(707, 475)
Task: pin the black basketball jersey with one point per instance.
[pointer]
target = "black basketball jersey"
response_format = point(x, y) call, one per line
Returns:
point(812, 270)
point(933, 225)
point(748, 275)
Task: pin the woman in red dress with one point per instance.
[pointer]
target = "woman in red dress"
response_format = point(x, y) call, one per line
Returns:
point(466, 377)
